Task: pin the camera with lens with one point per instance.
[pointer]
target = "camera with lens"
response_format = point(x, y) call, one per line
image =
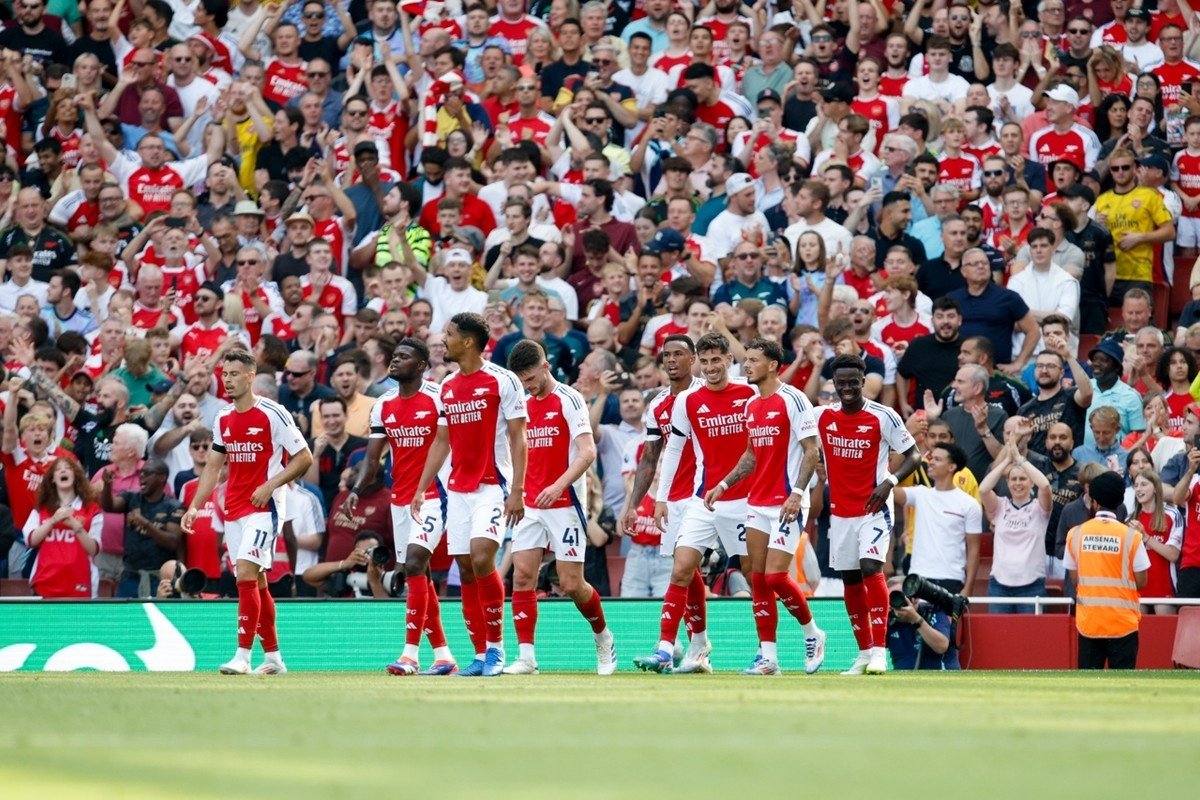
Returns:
point(355, 581)
point(189, 583)
point(916, 586)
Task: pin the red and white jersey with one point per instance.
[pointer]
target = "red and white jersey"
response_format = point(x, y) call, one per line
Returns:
point(63, 568)
point(201, 544)
point(333, 230)
point(1173, 76)
point(535, 128)
point(658, 427)
point(785, 136)
point(777, 424)
point(225, 58)
point(963, 172)
point(1078, 145)
point(152, 189)
point(410, 425)
point(389, 124)
point(253, 323)
point(1185, 171)
point(882, 112)
point(185, 279)
point(1002, 238)
point(553, 423)
point(980, 152)
point(343, 154)
point(888, 331)
point(476, 409)
point(993, 215)
point(338, 297)
point(1111, 33)
point(70, 145)
point(284, 81)
point(658, 329)
point(253, 442)
point(11, 116)
point(279, 324)
point(197, 340)
point(666, 63)
point(713, 421)
point(720, 32)
point(145, 317)
point(892, 87)
point(645, 530)
point(515, 33)
point(856, 447)
point(74, 210)
point(864, 164)
point(23, 476)
point(718, 115)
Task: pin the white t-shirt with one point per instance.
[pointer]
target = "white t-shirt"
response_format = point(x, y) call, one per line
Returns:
point(835, 235)
point(447, 302)
point(941, 524)
point(1020, 98)
point(725, 231)
point(953, 88)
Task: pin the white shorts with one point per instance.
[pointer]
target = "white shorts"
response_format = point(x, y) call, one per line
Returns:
point(783, 536)
point(703, 529)
point(252, 538)
point(474, 515)
point(1187, 232)
point(563, 530)
point(427, 534)
point(852, 539)
point(675, 513)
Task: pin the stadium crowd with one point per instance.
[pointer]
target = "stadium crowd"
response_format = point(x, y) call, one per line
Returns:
point(995, 204)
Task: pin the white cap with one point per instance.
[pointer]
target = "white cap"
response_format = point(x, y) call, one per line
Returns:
point(1064, 94)
point(459, 255)
point(737, 182)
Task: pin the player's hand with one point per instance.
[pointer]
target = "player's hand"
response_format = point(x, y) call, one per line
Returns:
point(548, 496)
point(514, 509)
point(791, 509)
point(879, 497)
point(660, 515)
point(712, 496)
point(349, 504)
point(188, 523)
point(261, 496)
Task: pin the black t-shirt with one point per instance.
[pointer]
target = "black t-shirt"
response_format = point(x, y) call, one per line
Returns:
point(288, 264)
point(300, 406)
point(141, 551)
point(937, 278)
point(962, 60)
point(46, 45)
point(554, 75)
point(882, 244)
point(1066, 488)
point(102, 50)
point(332, 462)
point(797, 114)
point(1097, 246)
point(51, 250)
point(931, 362)
point(494, 252)
point(93, 444)
point(1044, 413)
point(326, 48)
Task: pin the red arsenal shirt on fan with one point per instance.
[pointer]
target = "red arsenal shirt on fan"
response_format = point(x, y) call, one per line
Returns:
point(197, 340)
point(554, 422)
point(1173, 76)
point(337, 297)
point(962, 172)
point(74, 210)
point(203, 552)
point(658, 428)
point(882, 112)
point(63, 568)
point(284, 81)
point(515, 34)
point(1077, 144)
point(254, 442)
point(777, 424)
point(714, 423)
point(1185, 171)
point(476, 409)
point(23, 476)
point(856, 447)
point(152, 189)
point(410, 425)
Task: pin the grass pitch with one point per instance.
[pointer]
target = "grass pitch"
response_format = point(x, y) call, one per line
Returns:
point(1003, 735)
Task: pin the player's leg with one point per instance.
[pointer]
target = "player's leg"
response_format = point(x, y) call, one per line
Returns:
point(267, 635)
point(416, 597)
point(568, 538)
point(685, 563)
point(843, 557)
point(487, 531)
point(529, 541)
point(778, 576)
point(873, 537)
point(763, 606)
point(458, 545)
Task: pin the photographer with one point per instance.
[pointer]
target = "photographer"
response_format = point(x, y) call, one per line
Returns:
point(177, 582)
point(919, 634)
point(357, 575)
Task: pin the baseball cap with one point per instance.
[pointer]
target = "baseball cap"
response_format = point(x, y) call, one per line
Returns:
point(1155, 161)
point(1138, 13)
point(365, 147)
point(770, 94)
point(1056, 161)
point(838, 92)
point(665, 239)
point(737, 182)
point(1064, 94)
point(458, 255)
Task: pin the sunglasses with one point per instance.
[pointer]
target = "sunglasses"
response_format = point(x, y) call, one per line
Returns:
point(821, 37)
point(142, 63)
point(993, 173)
point(181, 59)
point(314, 15)
point(1120, 167)
point(1030, 35)
point(289, 374)
point(360, 113)
point(746, 256)
point(959, 17)
point(1079, 31)
point(602, 62)
point(244, 261)
point(200, 446)
point(526, 87)
point(212, 297)
point(595, 120)
point(317, 74)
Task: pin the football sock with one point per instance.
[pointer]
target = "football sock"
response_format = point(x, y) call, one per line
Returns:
point(856, 609)
point(491, 598)
point(770, 651)
point(249, 607)
point(672, 613)
point(433, 621)
point(877, 604)
point(266, 621)
point(766, 612)
point(789, 592)
point(414, 618)
point(696, 607)
point(473, 617)
point(592, 612)
point(524, 614)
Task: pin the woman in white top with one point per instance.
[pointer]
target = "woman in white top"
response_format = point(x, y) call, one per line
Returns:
point(1019, 522)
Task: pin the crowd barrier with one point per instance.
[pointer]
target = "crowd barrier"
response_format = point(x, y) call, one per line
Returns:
point(121, 635)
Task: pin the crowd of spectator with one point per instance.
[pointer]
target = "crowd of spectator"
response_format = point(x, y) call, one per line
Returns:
point(995, 204)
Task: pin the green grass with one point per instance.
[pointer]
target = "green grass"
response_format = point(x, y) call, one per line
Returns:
point(1003, 735)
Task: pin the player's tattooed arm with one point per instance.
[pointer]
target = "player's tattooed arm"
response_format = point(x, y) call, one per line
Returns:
point(641, 483)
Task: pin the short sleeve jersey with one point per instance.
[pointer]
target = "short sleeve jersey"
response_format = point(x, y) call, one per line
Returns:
point(777, 424)
point(152, 189)
point(554, 422)
point(477, 408)
point(410, 425)
point(856, 447)
point(715, 423)
point(658, 427)
point(254, 442)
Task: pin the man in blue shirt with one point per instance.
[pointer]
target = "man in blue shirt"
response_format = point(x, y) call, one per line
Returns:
point(991, 311)
point(1109, 390)
point(919, 638)
point(748, 267)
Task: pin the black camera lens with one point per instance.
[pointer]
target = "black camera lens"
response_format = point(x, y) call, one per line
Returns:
point(896, 599)
point(380, 555)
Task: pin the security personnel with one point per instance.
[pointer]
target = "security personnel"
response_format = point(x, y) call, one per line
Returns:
point(1107, 560)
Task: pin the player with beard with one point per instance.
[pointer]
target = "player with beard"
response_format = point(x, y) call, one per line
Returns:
point(251, 434)
point(483, 410)
point(858, 436)
point(1054, 402)
point(406, 420)
point(779, 462)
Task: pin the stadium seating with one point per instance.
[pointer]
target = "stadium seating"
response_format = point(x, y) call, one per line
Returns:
point(1181, 290)
point(1161, 300)
point(1087, 341)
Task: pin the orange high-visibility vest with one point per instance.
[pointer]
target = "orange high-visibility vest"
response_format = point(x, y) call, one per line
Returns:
point(1106, 597)
point(805, 569)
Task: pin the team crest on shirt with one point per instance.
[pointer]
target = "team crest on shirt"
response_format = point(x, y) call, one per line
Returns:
point(772, 414)
point(1136, 203)
point(741, 401)
point(862, 428)
point(254, 431)
point(482, 390)
point(551, 414)
point(416, 415)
